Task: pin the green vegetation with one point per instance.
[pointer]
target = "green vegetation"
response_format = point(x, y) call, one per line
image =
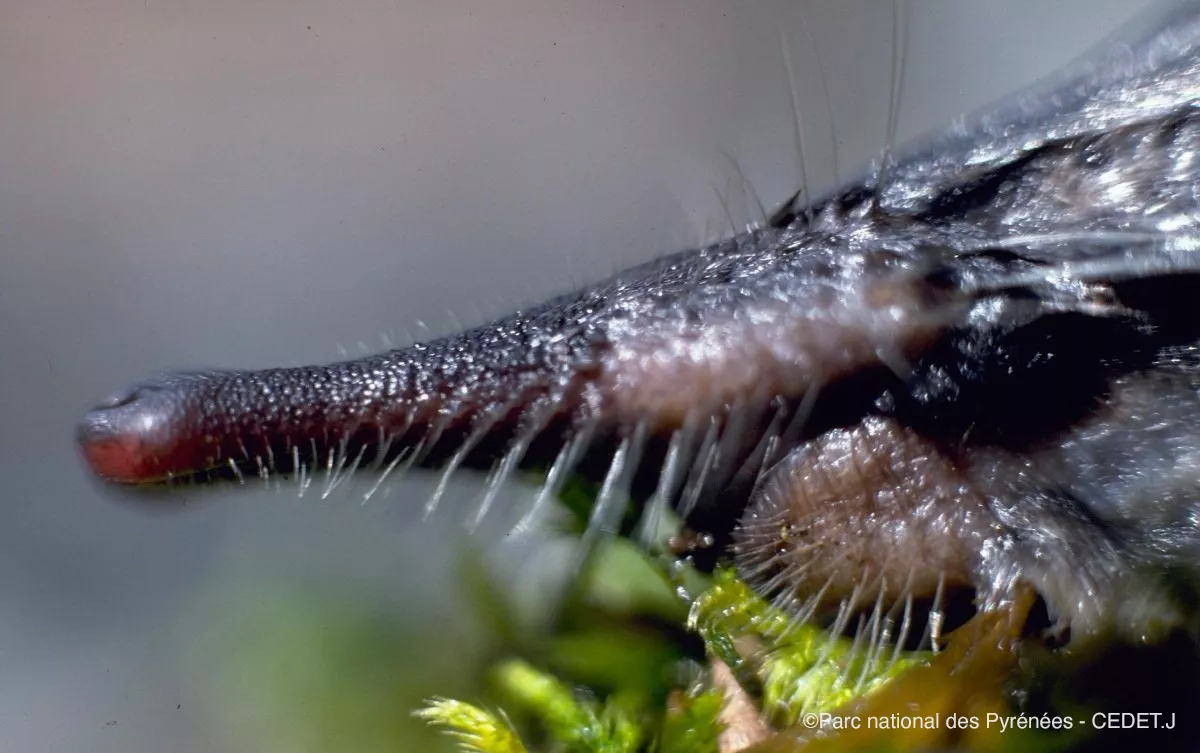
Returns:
point(638, 654)
point(626, 703)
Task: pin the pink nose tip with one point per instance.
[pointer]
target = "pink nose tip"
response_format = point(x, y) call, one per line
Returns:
point(113, 453)
point(124, 439)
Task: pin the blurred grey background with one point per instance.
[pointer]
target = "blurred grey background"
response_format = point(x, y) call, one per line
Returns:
point(252, 183)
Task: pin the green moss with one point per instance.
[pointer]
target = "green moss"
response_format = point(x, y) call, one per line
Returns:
point(690, 724)
point(574, 722)
point(800, 668)
point(477, 730)
point(624, 693)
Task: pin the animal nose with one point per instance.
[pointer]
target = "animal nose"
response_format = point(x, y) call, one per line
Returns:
point(119, 436)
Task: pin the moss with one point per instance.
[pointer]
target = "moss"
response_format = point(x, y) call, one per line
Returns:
point(800, 668)
point(477, 730)
point(606, 688)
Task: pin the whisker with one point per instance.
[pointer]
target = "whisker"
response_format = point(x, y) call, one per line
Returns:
point(668, 479)
point(853, 653)
point(797, 122)
point(812, 44)
point(737, 427)
point(795, 428)
point(754, 463)
point(333, 458)
point(564, 463)
point(335, 468)
point(899, 54)
point(610, 502)
point(233, 466)
point(386, 438)
point(838, 628)
point(747, 186)
point(405, 462)
point(936, 617)
point(902, 635)
point(614, 492)
point(541, 417)
point(790, 574)
point(432, 436)
point(1151, 254)
point(725, 208)
point(484, 426)
point(311, 467)
point(608, 507)
point(299, 469)
point(347, 473)
point(1117, 238)
point(698, 471)
point(875, 626)
point(806, 613)
point(400, 457)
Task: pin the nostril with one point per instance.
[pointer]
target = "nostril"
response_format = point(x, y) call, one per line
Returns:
point(142, 390)
point(118, 399)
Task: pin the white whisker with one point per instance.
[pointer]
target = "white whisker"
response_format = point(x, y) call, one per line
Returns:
point(508, 464)
point(902, 635)
point(937, 618)
point(845, 610)
point(337, 461)
point(852, 654)
point(386, 472)
point(698, 471)
point(648, 528)
point(485, 425)
point(875, 625)
point(386, 438)
point(610, 503)
point(233, 466)
point(346, 473)
point(568, 456)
